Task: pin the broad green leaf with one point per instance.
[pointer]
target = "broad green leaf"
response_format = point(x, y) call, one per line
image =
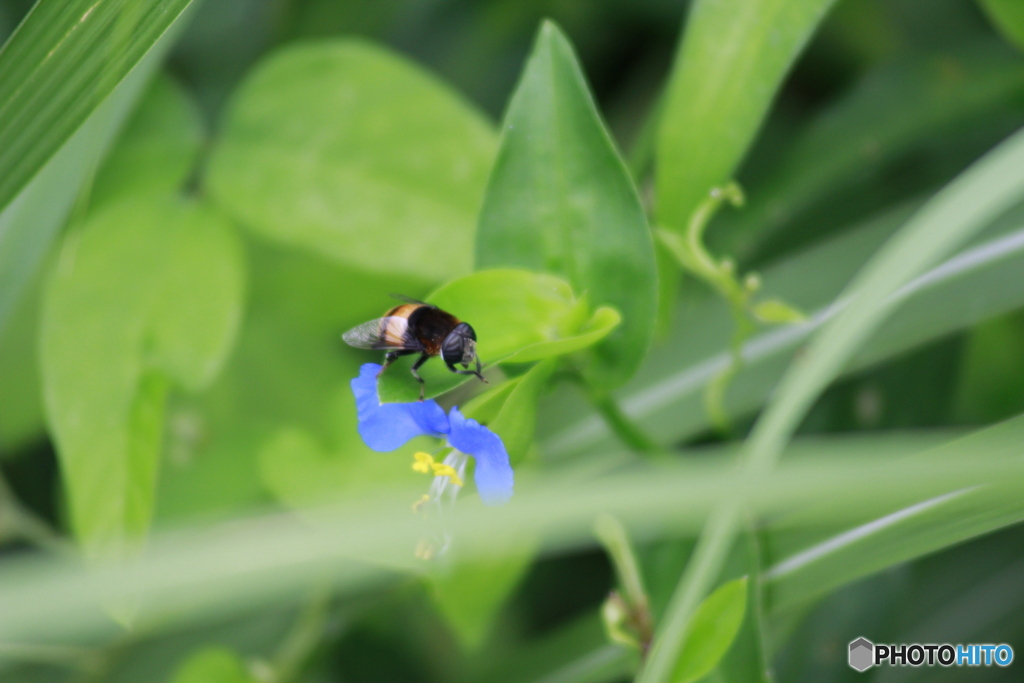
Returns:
point(1008, 16)
point(518, 316)
point(713, 628)
point(665, 398)
point(30, 221)
point(352, 152)
point(157, 148)
point(301, 471)
point(213, 665)
point(289, 372)
point(255, 561)
point(732, 59)
point(147, 292)
point(65, 58)
point(560, 200)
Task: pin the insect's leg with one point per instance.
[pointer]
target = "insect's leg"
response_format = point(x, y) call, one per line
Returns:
point(416, 366)
point(389, 358)
point(470, 372)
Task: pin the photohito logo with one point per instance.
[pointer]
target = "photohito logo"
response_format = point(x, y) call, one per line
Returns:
point(864, 654)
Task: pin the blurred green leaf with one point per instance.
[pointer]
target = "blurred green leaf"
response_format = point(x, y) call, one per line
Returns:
point(517, 418)
point(346, 149)
point(301, 471)
point(984, 280)
point(1008, 16)
point(289, 373)
point(213, 665)
point(803, 571)
point(255, 561)
point(748, 659)
point(561, 200)
point(732, 59)
point(21, 402)
point(961, 210)
point(991, 382)
point(897, 111)
point(470, 594)
point(147, 291)
point(157, 148)
point(31, 220)
point(518, 316)
point(713, 628)
point(65, 58)
point(990, 187)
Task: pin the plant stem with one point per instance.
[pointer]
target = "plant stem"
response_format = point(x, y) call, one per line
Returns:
point(622, 425)
point(613, 537)
point(304, 637)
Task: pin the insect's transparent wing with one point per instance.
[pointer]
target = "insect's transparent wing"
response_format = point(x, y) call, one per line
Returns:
point(410, 300)
point(383, 333)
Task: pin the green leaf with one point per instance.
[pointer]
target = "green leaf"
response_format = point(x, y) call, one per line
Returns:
point(213, 665)
point(471, 594)
point(301, 471)
point(713, 628)
point(898, 111)
point(289, 372)
point(30, 221)
point(158, 147)
point(991, 382)
point(732, 60)
point(665, 398)
point(518, 317)
point(1008, 16)
point(560, 200)
point(249, 562)
point(147, 291)
point(350, 151)
point(962, 209)
point(63, 61)
point(517, 418)
point(804, 571)
point(21, 402)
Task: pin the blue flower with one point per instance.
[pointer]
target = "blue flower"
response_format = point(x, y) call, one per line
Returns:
point(387, 426)
point(493, 474)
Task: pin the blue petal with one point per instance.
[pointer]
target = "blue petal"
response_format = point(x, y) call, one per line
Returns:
point(387, 426)
point(493, 473)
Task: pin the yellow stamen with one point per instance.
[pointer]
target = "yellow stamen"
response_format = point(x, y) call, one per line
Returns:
point(423, 463)
point(417, 507)
point(442, 470)
point(424, 550)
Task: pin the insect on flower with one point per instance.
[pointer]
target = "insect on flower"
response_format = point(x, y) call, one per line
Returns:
point(419, 327)
point(387, 426)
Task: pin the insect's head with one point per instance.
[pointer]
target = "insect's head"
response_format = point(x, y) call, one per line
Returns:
point(460, 347)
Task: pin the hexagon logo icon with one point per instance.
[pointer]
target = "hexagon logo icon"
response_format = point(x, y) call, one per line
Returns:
point(862, 654)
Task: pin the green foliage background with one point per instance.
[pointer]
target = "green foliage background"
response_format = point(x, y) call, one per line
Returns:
point(749, 423)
